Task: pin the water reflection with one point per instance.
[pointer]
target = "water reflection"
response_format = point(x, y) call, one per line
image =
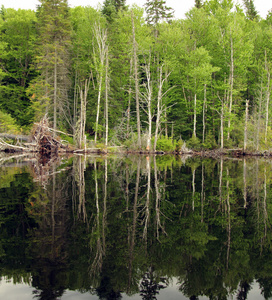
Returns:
point(128, 227)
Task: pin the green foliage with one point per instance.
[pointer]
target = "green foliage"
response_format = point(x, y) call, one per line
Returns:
point(17, 46)
point(210, 142)
point(179, 145)
point(194, 143)
point(266, 145)
point(8, 124)
point(251, 11)
point(51, 86)
point(68, 139)
point(165, 144)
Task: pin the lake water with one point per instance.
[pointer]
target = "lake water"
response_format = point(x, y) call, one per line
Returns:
point(135, 227)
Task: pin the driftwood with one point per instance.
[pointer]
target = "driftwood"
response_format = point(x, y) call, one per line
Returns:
point(14, 136)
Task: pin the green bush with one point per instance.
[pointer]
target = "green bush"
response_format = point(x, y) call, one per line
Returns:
point(8, 124)
point(68, 139)
point(179, 145)
point(194, 143)
point(165, 144)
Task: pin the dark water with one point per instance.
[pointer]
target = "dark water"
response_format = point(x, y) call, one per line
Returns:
point(135, 228)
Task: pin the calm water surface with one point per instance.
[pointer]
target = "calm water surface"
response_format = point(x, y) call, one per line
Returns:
point(135, 227)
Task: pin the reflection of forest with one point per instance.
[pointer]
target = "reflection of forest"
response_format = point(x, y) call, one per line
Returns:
point(111, 226)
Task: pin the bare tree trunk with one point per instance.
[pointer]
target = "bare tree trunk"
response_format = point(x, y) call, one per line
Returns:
point(194, 131)
point(160, 106)
point(148, 99)
point(259, 117)
point(129, 98)
point(81, 123)
point(222, 125)
point(75, 104)
point(101, 38)
point(55, 92)
point(245, 131)
point(106, 97)
point(231, 84)
point(98, 106)
point(267, 96)
point(193, 186)
point(204, 113)
point(136, 81)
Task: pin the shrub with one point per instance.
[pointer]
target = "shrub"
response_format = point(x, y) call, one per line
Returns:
point(194, 143)
point(165, 144)
point(8, 124)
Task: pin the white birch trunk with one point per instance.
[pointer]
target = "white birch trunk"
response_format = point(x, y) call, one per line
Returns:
point(231, 85)
point(204, 113)
point(106, 97)
point(136, 81)
point(194, 132)
point(55, 93)
point(267, 96)
point(101, 38)
point(245, 131)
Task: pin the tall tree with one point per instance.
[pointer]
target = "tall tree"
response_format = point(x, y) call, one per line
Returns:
point(157, 10)
point(251, 11)
point(112, 7)
point(52, 59)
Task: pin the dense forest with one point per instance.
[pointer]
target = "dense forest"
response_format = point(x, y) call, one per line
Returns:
point(137, 77)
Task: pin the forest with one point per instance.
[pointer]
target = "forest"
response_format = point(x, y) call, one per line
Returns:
point(137, 77)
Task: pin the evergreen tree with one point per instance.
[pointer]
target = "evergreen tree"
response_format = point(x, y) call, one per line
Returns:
point(112, 7)
point(251, 12)
point(50, 89)
point(157, 10)
point(198, 3)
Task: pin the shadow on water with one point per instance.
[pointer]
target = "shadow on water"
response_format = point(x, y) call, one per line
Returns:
point(133, 226)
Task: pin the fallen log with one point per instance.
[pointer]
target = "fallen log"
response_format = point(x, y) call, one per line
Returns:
point(10, 136)
point(5, 146)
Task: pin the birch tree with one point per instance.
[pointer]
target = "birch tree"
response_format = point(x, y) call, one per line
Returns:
point(99, 57)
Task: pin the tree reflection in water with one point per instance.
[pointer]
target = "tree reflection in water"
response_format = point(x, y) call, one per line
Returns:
point(110, 226)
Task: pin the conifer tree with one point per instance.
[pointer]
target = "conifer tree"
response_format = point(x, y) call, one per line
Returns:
point(52, 59)
point(198, 3)
point(111, 7)
point(250, 9)
point(157, 10)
